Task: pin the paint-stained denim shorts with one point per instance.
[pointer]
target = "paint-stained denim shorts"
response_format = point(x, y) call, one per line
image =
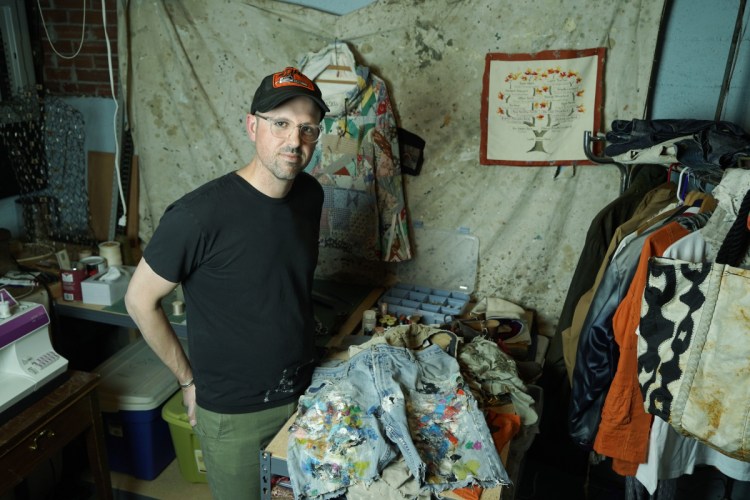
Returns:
point(358, 415)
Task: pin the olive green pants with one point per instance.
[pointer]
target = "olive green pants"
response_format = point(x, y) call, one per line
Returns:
point(231, 445)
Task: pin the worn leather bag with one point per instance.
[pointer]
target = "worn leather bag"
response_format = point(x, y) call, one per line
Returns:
point(694, 348)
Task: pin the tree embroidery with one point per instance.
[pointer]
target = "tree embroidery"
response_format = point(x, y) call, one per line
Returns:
point(540, 100)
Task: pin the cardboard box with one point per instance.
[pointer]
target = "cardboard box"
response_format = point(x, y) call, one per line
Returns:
point(107, 287)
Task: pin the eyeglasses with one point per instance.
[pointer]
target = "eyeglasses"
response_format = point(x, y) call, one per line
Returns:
point(281, 129)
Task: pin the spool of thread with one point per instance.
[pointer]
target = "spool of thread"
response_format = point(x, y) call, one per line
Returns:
point(178, 308)
point(94, 265)
point(111, 251)
point(4, 309)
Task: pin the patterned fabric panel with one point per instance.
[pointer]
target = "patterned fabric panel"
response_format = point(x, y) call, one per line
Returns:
point(670, 311)
point(694, 351)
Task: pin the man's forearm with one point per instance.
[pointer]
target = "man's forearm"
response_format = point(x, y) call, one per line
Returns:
point(161, 337)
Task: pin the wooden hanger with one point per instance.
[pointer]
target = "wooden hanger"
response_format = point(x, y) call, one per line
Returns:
point(326, 75)
point(709, 204)
point(338, 67)
point(329, 78)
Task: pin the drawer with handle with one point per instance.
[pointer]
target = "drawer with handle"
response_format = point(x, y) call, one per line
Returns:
point(43, 441)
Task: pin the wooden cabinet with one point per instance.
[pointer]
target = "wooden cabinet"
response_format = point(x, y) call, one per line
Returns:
point(45, 427)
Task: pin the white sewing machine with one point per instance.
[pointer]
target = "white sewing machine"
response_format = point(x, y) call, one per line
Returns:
point(27, 359)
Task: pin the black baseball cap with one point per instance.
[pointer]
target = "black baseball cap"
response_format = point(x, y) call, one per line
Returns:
point(284, 85)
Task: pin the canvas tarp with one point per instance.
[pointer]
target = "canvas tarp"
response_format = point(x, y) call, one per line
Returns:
point(190, 69)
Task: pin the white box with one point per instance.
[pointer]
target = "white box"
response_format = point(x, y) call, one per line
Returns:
point(107, 287)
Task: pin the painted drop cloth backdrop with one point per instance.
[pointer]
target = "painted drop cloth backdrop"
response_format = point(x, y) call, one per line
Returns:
point(191, 67)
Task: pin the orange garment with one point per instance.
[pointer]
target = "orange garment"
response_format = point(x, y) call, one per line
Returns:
point(625, 425)
point(469, 492)
point(503, 426)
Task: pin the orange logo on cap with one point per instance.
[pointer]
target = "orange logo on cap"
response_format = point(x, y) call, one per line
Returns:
point(292, 77)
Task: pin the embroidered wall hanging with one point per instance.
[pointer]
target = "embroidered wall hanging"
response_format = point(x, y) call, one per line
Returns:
point(536, 107)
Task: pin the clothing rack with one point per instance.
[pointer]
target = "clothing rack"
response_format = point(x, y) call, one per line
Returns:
point(625, 170)
point(703, 177)
point(705, 180)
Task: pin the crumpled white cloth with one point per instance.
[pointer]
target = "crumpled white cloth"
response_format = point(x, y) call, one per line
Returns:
point(488, 369)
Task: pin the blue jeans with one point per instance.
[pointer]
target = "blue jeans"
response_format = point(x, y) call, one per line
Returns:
point(357, 416)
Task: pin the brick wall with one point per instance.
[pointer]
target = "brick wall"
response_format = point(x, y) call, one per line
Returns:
point(87, 74)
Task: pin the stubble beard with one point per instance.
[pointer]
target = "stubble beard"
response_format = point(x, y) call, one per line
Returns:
point(284, 170)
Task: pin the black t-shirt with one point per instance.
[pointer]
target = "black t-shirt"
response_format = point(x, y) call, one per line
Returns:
point(246, 263)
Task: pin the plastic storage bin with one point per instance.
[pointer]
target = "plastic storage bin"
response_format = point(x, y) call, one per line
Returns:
point(435, 306)
point(134, 387)
point(186, 444)
point(438, 282)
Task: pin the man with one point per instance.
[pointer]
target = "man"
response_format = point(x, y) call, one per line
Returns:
point(244, 247)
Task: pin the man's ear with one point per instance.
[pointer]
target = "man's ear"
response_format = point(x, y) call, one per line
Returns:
point(251, 122)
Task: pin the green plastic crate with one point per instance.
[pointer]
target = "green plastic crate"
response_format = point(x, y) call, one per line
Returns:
point(186, 444)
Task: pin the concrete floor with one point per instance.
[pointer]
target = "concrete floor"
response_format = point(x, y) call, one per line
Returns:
point(169, 485)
